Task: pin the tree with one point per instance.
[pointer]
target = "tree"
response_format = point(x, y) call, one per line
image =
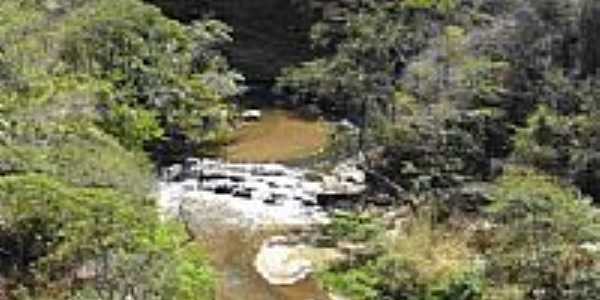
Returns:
point(51, 232)
point(160, 70)
point(589, 26)
point(76, 218)
point(543, 223)
point(369, 53)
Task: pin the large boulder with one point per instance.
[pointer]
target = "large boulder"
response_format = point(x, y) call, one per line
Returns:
point(278, 263)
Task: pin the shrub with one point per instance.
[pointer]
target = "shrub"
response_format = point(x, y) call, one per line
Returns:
point(542, 222)
point(425, 264)
point(354, 228)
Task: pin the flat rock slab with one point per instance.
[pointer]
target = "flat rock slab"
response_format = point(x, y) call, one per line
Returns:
point(277, 264)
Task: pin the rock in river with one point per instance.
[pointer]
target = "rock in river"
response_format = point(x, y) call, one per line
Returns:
point(278, 265)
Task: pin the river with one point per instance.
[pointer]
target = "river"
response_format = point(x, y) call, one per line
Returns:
point(231, 229)
point(239, 285)
point(233, 253)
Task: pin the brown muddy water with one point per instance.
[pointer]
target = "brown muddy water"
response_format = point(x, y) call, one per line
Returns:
point(233, 252)
point(240, 285)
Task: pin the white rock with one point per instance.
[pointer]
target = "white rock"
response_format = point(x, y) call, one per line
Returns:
point(590, 247)
point(276, 264)
point(263, 180)
point(251, 114)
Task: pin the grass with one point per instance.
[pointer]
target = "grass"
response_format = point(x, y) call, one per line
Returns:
point(437, 255)
point(280, 136)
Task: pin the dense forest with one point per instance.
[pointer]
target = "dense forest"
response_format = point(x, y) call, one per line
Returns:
point(480, 116)
point(485, 114)
point(90, 92)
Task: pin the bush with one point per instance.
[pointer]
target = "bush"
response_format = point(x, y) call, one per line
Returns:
point(357, 283)
point(542, 225)
point(354, 228)
point(425, 264)
point(50, 230)
point(436, 150)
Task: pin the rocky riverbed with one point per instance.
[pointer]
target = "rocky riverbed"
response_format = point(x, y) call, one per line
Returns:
point(232, 207)
point(259, 194)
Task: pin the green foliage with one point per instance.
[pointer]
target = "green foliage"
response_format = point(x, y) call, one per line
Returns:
point(159, 68)
point(589, 24)
point(356, 283)
point(85, 87)
point(132, 126)
point(542, 225)
point(562, 145)
point(77, 153)
point(586, 285)
point(31, 199)
point(524, 195)
point(542, 142)
point(429, 261)
point(424, 264)
point(435, 149)
point(370, 283)
point(457, 117)
point(535, 249)
point(369, 50)
point(445, 6)
point(50, 228)
point(353, 228)
point(438, 85)
point(446, 89)
point(17, 14)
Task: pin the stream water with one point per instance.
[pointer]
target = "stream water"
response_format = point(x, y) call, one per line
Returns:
point(232, 227)
point(240, 285)
point(234, 255)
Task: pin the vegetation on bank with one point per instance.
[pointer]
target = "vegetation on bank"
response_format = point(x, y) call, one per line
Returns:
point(482, 114)
point(89, 92)
point(530, 243)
